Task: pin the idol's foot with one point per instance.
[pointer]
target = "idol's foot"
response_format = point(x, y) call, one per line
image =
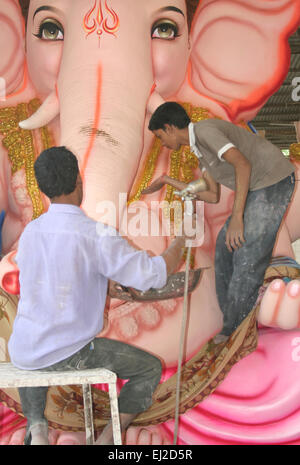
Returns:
point(57, 438)
point(150, 435)
point(280, 306)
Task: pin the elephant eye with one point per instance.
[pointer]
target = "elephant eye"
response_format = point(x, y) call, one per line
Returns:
point(50, 30)
point(164, 29)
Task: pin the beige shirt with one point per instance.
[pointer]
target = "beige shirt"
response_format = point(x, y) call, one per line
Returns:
point(211, 138)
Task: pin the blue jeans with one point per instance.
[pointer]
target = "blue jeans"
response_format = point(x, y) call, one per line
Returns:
point(142, 370)
point(239, 274)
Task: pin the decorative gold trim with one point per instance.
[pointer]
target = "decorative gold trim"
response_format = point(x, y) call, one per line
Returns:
point(21, 149)
point(295, 152)
point(148, 170)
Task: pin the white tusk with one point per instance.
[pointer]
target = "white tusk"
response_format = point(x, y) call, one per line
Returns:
point(44, 115)
point(154, 102)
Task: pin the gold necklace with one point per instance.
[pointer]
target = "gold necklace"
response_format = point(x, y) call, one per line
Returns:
point(21, 149)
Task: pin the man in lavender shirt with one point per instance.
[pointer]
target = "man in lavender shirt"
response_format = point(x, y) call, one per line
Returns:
point(66, 260)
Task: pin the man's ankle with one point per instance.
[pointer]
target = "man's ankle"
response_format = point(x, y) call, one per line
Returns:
point(39, 434)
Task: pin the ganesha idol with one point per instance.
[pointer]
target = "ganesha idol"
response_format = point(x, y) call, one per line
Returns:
point(88, 74)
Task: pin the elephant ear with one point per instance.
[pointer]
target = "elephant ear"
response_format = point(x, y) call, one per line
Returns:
point(11, 45)
point(240, 53)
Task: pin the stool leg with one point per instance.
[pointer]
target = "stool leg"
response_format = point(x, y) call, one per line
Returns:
point(88, 413)
point(114, 408)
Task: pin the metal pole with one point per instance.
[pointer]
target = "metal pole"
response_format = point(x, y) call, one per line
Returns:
point(188, 197)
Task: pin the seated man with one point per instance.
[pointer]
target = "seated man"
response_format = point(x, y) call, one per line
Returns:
point(263, 181)
point(65, 260)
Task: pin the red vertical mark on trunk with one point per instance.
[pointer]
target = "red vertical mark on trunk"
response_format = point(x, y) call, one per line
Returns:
point(95, 122)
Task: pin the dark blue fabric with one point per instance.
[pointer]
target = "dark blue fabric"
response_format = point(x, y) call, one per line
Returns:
point(239, 274)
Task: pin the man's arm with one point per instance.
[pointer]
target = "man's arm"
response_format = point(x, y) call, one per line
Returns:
point(173, 254)
point(211, 195)
point(172, 257)
point(122, 263)
point(235, 232)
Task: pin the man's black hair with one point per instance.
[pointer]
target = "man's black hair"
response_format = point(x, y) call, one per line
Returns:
point(56, 171)
point(169, 113)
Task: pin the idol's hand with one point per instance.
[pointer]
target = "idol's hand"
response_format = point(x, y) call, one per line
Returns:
point(235, 233)
point(9, 274)
point(156, 185)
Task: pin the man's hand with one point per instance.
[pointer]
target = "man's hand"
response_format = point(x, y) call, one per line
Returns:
point(242, 167)
point(156, 185)
point(117, 291)
point(235, 233)
point(210, 195)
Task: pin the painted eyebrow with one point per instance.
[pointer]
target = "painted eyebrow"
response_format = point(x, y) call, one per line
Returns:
point(45, 8)
point(171, 8)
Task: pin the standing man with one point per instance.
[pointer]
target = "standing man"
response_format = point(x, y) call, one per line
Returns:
point(65, 261)
point(263, 181)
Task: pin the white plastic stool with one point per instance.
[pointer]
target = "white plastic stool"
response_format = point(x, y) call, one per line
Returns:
point(12, 377)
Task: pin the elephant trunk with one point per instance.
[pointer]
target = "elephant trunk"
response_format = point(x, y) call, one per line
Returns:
point(102, 116)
